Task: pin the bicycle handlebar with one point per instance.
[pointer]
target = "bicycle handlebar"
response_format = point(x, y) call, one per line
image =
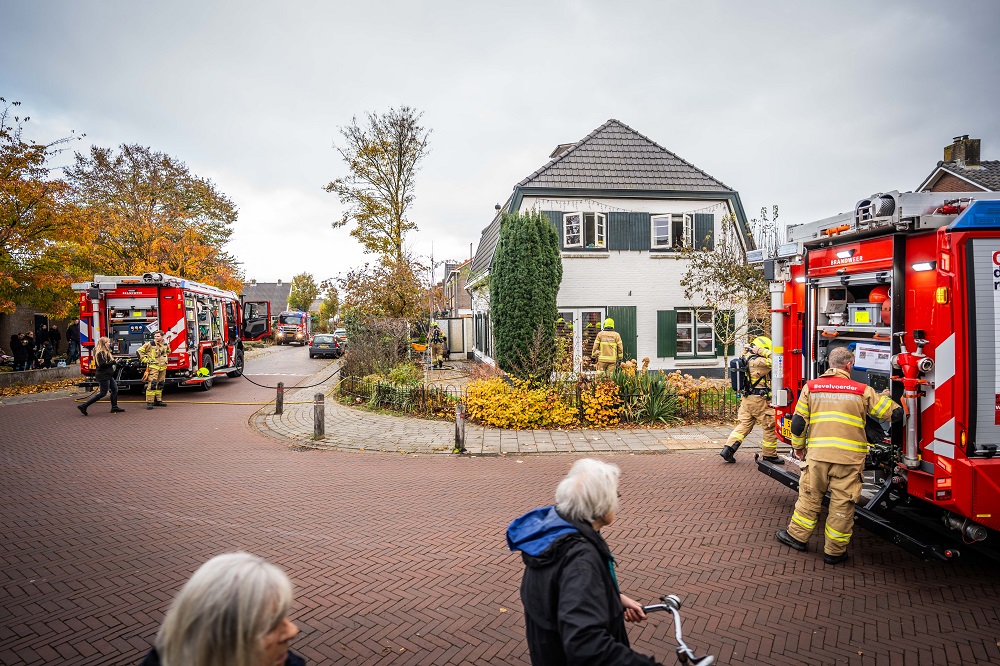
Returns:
point(685, 655)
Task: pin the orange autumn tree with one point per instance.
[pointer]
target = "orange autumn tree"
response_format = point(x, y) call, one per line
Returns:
point(39, 232)
point(146, 211)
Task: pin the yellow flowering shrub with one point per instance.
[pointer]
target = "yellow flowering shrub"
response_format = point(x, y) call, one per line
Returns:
point(502, 405)
point(602, 405)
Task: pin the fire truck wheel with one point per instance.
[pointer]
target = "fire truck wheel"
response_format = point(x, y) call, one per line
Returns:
point(206, 362)
point(239, 365)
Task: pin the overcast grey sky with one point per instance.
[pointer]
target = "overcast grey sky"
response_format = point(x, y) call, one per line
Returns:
point(809, 105)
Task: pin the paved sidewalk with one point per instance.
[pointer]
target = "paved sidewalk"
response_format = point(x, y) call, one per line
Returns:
point(350, 429)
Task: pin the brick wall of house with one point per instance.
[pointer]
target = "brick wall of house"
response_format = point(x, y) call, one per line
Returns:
point(950, 183)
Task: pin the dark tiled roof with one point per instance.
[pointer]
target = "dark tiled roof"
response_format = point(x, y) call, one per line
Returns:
point(276, 293)
point(487, 245)
point(615, 156)
point(986, 175)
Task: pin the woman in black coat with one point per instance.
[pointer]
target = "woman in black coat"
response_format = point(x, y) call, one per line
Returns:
point(574, 612)
point(104, 363)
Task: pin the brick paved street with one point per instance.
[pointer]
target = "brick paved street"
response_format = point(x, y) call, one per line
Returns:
point(400, 559)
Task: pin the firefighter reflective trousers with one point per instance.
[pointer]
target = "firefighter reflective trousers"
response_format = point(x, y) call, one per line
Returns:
point(155, 377)
point(606, 366)
point(754, 410)
point(844, 484)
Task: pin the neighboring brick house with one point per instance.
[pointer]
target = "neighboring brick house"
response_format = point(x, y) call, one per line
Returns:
point(962, 170)
point(623, 206)
point(457, 299)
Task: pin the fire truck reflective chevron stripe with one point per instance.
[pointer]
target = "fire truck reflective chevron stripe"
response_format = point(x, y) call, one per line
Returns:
point(175, 331)
point(944, 370)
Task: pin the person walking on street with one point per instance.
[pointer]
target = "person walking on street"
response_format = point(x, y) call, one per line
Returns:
point(608, 348)
point(828, 434)
point(755, 405)
point(154, 354)
point(104, 365)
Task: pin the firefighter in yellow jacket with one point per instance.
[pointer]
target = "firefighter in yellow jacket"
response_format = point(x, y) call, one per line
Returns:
point(608, 349)
point(828, 433)
point(155, 354)
point(755, 406)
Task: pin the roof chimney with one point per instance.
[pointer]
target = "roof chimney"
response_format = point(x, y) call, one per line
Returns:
point(279, 282)
point(963, 151)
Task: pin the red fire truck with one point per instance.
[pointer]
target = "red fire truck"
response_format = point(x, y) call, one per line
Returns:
point(293, 326)
point(204, 326)
point(910, 283)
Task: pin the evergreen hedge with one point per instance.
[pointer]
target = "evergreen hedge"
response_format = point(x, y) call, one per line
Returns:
point(524, 283)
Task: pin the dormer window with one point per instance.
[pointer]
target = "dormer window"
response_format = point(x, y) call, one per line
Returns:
point(585, 230)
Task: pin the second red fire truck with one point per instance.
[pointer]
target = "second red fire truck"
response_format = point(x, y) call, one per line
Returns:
point(911, 284)
point(204, 326)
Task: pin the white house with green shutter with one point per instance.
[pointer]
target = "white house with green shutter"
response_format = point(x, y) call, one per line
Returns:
point(623, 207)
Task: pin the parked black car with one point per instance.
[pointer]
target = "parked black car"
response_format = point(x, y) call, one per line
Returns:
point(325, 344)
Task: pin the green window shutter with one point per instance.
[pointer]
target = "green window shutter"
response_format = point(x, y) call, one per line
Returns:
point(618, 230)
point(556, 219)
point(624, 317)
point(704, 231)
point(724, 321)
point(666, 333)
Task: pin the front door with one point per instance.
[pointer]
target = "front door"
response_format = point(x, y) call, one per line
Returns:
point(576, 329)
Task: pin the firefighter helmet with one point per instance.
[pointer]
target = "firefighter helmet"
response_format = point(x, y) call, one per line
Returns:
point(202, 372)
point(609, 323)
point(762, 343)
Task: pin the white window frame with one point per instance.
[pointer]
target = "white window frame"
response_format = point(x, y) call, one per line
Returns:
point(687, 226)
point(575, 233)
point(695, 327)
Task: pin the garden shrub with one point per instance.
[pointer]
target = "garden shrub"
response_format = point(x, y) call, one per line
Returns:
point(602, 403)
point(518, 404)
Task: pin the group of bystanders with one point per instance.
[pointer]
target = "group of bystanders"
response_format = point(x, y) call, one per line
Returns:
point(32, 351)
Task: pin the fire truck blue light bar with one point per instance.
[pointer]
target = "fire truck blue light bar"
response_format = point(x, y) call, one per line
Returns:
point(979, 215)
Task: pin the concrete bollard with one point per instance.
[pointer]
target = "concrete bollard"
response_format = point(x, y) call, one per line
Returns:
point(459, 428)
point(279, 402)
point(319, 416)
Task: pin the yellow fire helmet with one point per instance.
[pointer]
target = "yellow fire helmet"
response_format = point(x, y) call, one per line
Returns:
point(763, 345)
point(609, 323)
point(202, 372)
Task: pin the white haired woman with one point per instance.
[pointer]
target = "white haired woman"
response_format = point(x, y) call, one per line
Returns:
point(574, 612)
point(232, 612)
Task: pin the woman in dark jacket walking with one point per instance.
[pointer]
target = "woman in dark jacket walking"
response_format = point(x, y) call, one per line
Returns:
point(574, 612)
point(104, 363)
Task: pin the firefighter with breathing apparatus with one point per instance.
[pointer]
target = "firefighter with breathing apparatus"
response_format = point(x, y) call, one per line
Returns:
point(608, 349)
point(750, 376)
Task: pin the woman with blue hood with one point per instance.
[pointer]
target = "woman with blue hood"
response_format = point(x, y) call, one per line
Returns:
point(574, 612)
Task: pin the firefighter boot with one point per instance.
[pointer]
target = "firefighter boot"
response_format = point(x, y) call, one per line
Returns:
point(149, 405)
point(728, 453)
point(774, 460)
point(784, 537)
point(159, 403)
